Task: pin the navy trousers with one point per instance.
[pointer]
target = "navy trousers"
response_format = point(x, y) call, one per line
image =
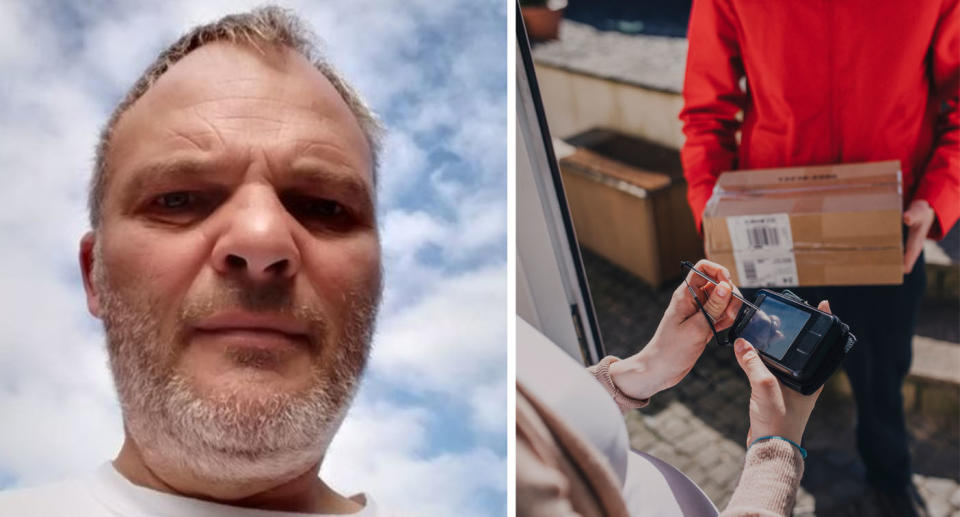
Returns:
point(883, 319)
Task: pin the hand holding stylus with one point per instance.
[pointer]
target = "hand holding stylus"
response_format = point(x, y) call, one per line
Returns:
point(681, 335)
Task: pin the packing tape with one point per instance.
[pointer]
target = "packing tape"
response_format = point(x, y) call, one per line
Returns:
point(737, 193)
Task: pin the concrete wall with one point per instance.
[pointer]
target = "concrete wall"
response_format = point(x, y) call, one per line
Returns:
point(575, 102)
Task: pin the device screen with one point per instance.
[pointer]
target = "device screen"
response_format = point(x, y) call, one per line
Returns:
point(774, 327)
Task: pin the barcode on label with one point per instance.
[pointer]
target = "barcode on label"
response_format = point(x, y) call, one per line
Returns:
point(763, 236)
point(763, 249)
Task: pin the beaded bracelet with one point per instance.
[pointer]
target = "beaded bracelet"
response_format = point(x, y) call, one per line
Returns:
point(803, 452)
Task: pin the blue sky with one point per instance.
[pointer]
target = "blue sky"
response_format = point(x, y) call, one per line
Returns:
point(427, 434)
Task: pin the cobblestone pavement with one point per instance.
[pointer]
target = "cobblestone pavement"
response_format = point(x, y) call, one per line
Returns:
point(700, 425)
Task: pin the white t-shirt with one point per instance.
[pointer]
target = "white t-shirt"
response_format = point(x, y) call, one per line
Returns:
point(106, 493)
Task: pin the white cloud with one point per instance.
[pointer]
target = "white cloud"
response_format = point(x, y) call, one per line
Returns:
point(403, 159)
point(60, 432)
point(451, 339)
point(479, 224)
point(486, 403)
point(405, 233)
point(409, 481)
point(119, 65)
point(481, 221)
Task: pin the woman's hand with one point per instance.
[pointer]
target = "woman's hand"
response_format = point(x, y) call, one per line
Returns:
point(681, 336)
point(775, 410)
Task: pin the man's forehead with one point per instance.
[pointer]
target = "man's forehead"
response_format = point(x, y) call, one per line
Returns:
point(226, 79)
point(229, 68)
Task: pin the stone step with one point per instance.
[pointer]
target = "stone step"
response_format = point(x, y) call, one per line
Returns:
point(943, 271)
point(935, 361)
point(933, 385)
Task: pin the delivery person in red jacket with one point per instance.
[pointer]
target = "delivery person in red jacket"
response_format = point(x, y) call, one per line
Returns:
point(823, 82)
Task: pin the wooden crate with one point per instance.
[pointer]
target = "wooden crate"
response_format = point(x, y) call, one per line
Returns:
point(634, 217)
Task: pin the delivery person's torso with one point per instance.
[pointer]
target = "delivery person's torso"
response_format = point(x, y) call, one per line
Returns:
point(847, 81)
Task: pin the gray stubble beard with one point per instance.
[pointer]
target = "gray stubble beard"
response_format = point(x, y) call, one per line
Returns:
point(227, 439)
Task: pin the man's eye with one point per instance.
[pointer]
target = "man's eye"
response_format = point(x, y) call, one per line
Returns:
point(174, 200)
point(315, 207)
point(324, 208)
point(315, 211)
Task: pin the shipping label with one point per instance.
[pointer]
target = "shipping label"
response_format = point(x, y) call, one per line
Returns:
point(760, 232)
point(766, 268)
point(763, 250)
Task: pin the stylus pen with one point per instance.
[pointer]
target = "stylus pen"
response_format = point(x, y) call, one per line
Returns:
point(687, 264)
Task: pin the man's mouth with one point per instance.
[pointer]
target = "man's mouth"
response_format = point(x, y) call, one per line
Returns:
point(253, 330)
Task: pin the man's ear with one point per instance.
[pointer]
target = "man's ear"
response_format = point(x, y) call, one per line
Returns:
point(87, 257)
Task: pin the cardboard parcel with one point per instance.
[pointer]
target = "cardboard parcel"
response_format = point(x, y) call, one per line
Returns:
point(806, 226)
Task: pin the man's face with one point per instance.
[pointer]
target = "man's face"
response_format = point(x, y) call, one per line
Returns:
point(237, 265)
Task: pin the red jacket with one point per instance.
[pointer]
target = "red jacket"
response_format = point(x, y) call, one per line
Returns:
point(826, 82)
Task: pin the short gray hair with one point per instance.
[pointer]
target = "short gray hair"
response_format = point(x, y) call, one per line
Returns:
point(268, 25)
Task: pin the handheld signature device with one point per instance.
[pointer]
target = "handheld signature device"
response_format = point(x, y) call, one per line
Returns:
point(801, 345)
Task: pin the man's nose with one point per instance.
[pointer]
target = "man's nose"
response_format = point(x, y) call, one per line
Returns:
point(256, 242)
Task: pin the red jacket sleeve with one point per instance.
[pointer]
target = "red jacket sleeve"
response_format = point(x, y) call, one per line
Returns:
point(712, 99)
point(940, 183)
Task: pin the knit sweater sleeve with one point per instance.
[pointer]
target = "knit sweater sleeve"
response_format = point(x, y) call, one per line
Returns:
point(601, 371)
point(769, 482)
point(771, 472)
